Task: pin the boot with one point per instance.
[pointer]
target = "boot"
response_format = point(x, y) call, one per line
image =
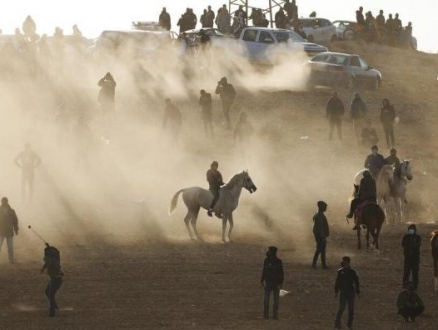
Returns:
point(218, 215)
point(210, 212)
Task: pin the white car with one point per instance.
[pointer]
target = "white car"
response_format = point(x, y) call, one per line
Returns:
point(319, 30)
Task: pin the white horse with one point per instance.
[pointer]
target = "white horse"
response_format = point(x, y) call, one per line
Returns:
point(196, 197)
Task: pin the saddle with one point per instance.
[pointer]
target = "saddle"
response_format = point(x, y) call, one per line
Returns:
point(359, 210)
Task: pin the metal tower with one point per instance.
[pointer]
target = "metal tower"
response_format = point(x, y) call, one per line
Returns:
point(234, 6)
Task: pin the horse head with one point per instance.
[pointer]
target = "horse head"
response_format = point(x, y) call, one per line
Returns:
point(248, 184)
point(404, 171)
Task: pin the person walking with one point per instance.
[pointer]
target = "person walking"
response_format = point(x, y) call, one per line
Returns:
point(227, 94)
point(347, 286)
point(409, 303)
point(358, 110)
point(411, 244)
point(334, 112)
point(321, 232)
point(215, 182)
point(172, 115)
point(107, 92)
point(205, 102)
point(27, 160)
point(272, 280)
point(52, 264)
point(387, 117)
point(8, 227)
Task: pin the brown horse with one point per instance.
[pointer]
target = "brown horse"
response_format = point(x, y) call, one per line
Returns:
point(434, 250)
point(372, 218)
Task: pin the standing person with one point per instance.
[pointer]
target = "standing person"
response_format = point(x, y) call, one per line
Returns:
point(411, 244)
point(387, 117)
point(334, 111)
point(8, 227)
point(321, 232)
point(358, 111)
point(360, 19)
point(164, 20)
point(347, 284)
point(203, 19)
point(243, 131)
point(280, 19)
point(227, 94)
point(272, 280)
point(29, 27)
point(393, 159)
point(205, 102)
point(172, 115)
point(409, 303)
point(209, 17)
point(107, 92)
point(27, 160)
point(374, 162)
point(223, 20)
point(52, 263)
point(215, 181)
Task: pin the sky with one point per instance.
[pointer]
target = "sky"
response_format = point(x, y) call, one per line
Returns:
point(94, 16)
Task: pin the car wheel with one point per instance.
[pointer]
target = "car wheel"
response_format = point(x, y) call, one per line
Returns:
point(376, 84)
point(310, 38)
point(334, 38)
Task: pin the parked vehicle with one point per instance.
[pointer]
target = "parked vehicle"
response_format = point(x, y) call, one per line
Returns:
point(342, 70)
point(319, 30)
point(345, 30)
point(263, 44)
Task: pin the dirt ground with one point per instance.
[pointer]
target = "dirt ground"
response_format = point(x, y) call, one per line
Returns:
point(128, 265)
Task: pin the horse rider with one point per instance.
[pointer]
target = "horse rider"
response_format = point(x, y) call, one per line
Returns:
point(374, 162)
point(393, 159)
point(367, 193)
point(214, 178)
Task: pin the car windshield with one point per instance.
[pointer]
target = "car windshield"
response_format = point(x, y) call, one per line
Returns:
point(284, 36)
point(337, 59)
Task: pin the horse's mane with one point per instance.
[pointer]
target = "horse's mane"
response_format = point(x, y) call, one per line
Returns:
point(233, 180)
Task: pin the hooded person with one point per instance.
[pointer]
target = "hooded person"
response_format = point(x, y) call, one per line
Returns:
point(411, 244)
point(320, 232)
point(272, 280)
point(52, 264)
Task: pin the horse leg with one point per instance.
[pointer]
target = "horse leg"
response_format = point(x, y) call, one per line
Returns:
point(402, 208)
point(359, 243)
point(368, 238)
point(193, 223)
point(385, 210)
point(231, 222)
point(435, 267)
point(224, 226)
point(187, 221)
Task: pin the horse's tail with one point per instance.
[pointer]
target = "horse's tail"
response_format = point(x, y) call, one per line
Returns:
point(174, 201)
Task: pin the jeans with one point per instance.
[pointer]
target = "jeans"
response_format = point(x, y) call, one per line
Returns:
point(266, 297)
point(414, 267)
point(389, 135)
point(338, 125)
point(321, 244)
point(345, 298)
point(10, 244)
point(51, 290)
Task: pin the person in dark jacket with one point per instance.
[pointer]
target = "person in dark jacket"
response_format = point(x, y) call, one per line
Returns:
point(411, 244)
point(374, 162)
point(347, 284)
point(172, 115)
point(107, 92)
point(369, 135)
point(209, 18)
point(164, 20)
point(272, 280)
point(409, 303)
point(280, 19)
point(358, 111)
point(215, 182)
point(8, 227)
point(387, 117)
point(360, 19)
point(52, 264)
point(227, 94)
point(367, 192)
point(334, 111)
point(205, 102)
point(393, 159)
point(321, 232)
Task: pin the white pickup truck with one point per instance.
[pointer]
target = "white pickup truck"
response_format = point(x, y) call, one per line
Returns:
point(262, 44)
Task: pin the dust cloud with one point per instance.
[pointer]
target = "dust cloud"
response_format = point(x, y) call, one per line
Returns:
point(117, 185)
